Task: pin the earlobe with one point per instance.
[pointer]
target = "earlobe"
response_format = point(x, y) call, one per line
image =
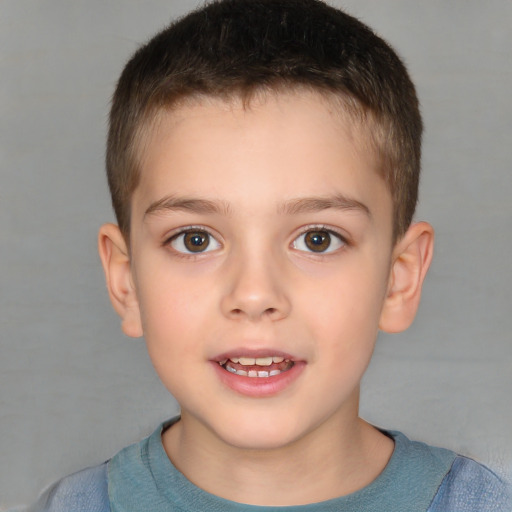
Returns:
point(115, 259)
point(411, 259)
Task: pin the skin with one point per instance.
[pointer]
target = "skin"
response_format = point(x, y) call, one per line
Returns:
point(284, 167)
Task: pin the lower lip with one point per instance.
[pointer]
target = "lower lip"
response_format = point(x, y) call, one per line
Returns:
point(259, 386)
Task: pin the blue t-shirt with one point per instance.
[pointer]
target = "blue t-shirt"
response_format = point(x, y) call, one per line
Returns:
point(417, 478)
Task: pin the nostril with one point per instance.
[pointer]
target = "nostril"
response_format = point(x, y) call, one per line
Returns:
point(238, 304)
point(270, 312)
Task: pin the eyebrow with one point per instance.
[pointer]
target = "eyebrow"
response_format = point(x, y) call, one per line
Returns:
point(202, 206)
point(291, 207)
point(315, 204)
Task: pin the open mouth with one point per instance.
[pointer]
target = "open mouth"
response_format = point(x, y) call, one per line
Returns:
point(258, 367)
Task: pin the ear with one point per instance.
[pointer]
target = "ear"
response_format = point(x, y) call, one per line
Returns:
point(115, 259)
point(411, 259)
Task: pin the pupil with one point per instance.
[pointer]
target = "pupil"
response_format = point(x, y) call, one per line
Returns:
point(318, 241)
point(196, 242)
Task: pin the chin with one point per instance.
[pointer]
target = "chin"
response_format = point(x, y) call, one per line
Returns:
point(258, 434)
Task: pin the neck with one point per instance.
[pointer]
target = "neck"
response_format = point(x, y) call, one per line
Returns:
point(337, 459)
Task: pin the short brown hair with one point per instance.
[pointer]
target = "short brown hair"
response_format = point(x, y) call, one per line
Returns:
point(237, 47)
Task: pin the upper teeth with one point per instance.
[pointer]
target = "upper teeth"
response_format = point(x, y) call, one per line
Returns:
point(251, 361)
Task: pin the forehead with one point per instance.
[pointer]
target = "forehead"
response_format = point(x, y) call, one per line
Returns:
point(280, 145)
point(348, 118)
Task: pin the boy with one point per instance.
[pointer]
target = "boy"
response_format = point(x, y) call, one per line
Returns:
point(263, 160)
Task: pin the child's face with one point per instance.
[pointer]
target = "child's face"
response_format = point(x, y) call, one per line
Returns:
point(260, 233)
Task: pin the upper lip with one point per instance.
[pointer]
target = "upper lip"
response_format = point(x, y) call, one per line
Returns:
point(255, 353)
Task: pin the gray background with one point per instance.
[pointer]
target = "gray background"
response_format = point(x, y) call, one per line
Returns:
point(73, 390)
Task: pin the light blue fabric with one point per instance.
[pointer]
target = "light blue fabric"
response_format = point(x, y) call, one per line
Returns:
point(418, 478)
point(85, 491)
point(471, 487)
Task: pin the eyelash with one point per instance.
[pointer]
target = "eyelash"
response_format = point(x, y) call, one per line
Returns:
point(322, 229)
point(191, 230)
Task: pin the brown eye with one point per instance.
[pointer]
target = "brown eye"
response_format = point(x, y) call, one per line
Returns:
point(196, 241)
point(318, 240)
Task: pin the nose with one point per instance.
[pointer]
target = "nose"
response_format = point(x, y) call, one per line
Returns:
point(255, 289)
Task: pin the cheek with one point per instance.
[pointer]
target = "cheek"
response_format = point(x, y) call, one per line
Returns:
point(172, 332)
point(345, 312)
point(173, 313)
point(349, 300)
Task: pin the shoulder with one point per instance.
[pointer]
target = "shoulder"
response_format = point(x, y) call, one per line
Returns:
point(446, 482)
point(85, 491)
point(472, 487)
